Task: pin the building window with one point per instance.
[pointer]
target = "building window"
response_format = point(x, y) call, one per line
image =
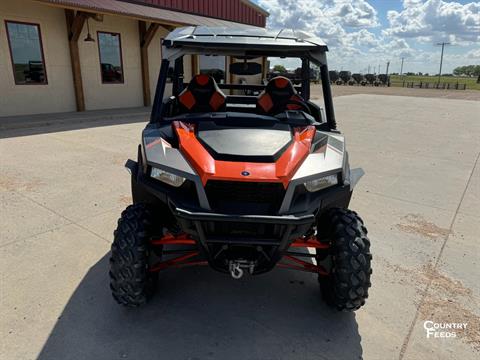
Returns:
point(110, 49)
point(26, 52)
point(213, 66)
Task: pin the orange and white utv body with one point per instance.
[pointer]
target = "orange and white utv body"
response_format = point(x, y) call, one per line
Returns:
point(241, 177)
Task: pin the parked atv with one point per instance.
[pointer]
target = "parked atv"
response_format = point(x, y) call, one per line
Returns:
point(384, 79)
point(372, 79)
point(359, 79)
point(243, 184)
point(333, 76)
point(346, 77)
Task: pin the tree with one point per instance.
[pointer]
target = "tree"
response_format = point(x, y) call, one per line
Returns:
point(458, 71)
point(476, 70)
point(468, 70)
point(279, 68)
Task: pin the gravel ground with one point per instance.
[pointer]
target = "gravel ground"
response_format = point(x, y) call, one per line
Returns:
point(341, 90)
point(62, 190)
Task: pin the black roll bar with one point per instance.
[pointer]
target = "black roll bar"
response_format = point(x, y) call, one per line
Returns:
point(327, 97)
point(159, 91)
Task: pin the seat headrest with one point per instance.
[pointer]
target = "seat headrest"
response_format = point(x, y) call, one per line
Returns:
point(276, 96)
point(202, 80)
point(280, 84)
point(201, 95)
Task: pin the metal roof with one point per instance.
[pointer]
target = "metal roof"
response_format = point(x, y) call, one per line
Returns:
point(141, 12)
point(256, 7)
point(241, 37)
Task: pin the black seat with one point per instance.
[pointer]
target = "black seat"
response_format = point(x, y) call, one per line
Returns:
point(201, 95)
point(279, 95)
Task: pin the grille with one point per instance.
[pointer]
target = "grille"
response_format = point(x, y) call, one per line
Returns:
point(232, 197)
point(232, 230)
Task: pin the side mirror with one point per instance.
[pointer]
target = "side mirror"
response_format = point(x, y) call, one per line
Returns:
point(245, 68)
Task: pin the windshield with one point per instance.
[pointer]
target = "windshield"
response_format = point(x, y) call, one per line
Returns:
point(249, 84)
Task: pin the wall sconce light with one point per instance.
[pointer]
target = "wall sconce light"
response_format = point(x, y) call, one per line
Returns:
point(89, 37)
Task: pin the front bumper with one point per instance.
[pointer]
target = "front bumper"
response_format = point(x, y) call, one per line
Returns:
point(270, 236)
point(283, 229)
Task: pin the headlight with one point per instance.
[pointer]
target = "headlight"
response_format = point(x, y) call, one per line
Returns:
point(321, 183)
point(167, 177)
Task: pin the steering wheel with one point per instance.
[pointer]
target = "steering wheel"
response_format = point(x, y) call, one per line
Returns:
point(304, 106)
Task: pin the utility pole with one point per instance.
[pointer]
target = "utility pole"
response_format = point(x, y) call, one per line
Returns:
point(441, 59)
point(401, 68)
point(388, 65)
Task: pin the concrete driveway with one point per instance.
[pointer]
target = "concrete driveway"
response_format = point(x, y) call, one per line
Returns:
point(62, 192)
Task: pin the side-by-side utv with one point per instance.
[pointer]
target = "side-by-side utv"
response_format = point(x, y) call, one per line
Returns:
point(243, 183)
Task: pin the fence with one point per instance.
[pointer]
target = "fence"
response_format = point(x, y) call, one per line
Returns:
point(435, 85)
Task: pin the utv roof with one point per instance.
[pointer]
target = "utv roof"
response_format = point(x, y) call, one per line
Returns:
point(246, 39)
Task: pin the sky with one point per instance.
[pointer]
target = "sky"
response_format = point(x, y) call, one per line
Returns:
point(369, 33)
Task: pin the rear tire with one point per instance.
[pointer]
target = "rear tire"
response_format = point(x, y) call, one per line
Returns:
point(130, 280)
point(346, 288)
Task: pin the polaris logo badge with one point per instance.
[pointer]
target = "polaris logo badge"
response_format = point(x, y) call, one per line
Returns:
point(245, 173)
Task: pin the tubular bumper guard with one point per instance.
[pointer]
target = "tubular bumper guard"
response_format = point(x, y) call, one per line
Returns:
point(293, 227)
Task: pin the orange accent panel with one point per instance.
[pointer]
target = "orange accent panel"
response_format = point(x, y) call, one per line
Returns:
point(265, 102)
point(281, 82)
point(310, 242)
point(216, 101)
point(196, 154)
point(210, 169)
point(294, 107)
point(187, 99)
point(202, 79)
point(168, 239)
point(293, 157)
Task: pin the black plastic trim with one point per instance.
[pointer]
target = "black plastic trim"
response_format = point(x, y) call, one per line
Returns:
point(266, 219)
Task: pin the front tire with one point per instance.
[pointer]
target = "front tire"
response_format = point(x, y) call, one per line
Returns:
point(346, 288)
point(130, 280)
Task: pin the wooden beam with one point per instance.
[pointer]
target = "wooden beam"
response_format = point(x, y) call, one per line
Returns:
point(77, 26)
point(74, 28)
point(146, 36)
point(142, 29)
point(149, 34)
point(264, 68)
point(96, 17)
point(169, 28)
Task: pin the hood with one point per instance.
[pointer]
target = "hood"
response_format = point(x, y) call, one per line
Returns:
point(255, 154)
point(245, 144)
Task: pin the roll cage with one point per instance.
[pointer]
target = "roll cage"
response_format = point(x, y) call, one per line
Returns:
point(244, 43)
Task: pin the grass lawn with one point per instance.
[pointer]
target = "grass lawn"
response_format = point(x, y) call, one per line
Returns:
point(397, 80)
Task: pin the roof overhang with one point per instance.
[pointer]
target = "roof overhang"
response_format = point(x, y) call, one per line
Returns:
point(140, 12)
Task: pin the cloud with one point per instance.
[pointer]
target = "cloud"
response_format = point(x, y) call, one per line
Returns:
point(436, 20)
point(362, 37)
point(307, 13)
point(474, 54)
point(357, 13)
point(353, 32)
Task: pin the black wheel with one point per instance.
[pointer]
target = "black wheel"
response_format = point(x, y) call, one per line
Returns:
point(349, 260)
point(130, 280)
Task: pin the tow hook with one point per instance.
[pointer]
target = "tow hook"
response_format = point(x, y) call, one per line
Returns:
point(236, 268)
